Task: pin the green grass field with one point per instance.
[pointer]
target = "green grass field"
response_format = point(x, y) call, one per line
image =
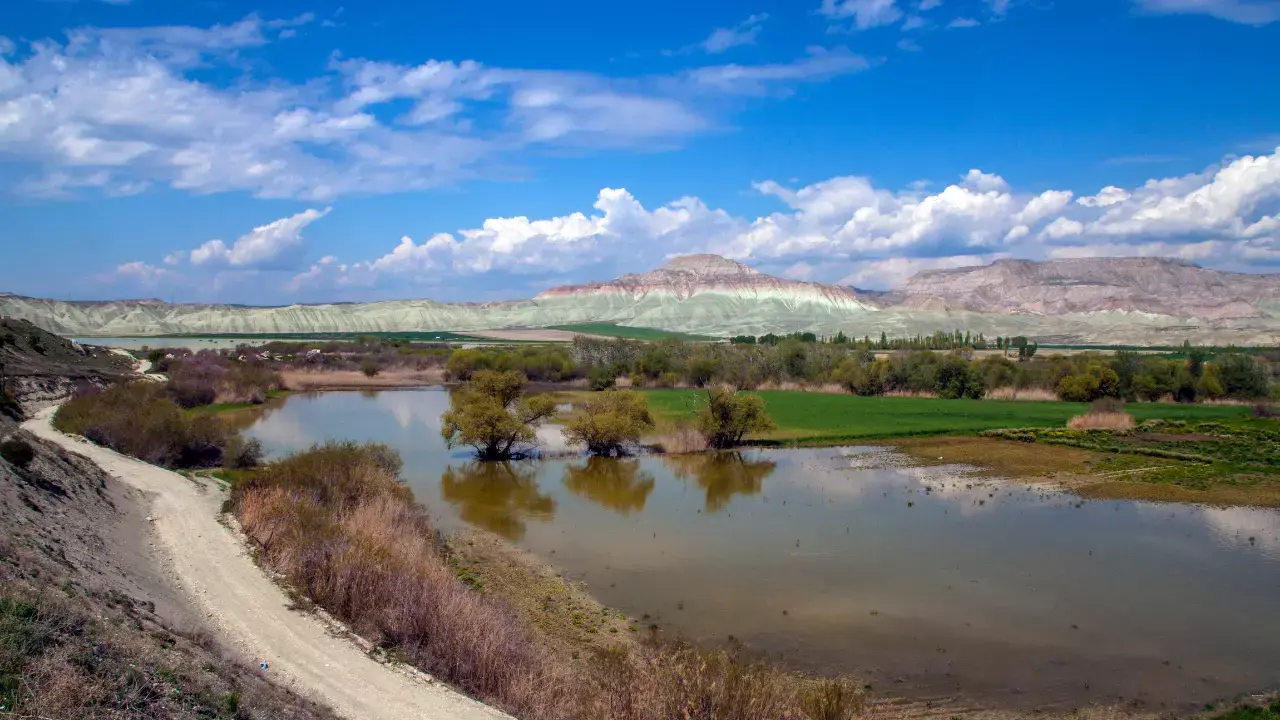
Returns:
point(828, 418)
point(631, 333)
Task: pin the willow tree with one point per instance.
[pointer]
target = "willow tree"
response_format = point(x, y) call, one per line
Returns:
point(492, 415)
point(729, 416)
point(610, 423)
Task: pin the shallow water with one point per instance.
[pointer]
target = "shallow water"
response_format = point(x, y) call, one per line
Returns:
point(924, 581)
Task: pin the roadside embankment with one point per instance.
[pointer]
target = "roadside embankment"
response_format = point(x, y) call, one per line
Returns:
point(252, 614)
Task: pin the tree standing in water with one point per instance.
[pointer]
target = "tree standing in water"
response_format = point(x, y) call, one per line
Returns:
point(492, 415)
point(729, 416)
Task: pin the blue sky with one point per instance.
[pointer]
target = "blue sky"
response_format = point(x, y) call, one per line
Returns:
point(308, 151)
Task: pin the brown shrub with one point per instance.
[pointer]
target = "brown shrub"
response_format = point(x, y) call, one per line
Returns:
point(1013, 393)
point(138, 419)
point(17, 450)
point(681, 681)
point(683, 439)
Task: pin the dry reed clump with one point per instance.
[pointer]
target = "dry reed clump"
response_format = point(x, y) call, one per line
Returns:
point(911, 394)
point(1104, 414)
point(683, 439)
point(1026, 394)
point(339, 526)
point(681, 681)
point(1102, 421)
point(386, 378)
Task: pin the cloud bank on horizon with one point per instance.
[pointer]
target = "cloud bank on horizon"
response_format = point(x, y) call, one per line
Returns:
point(116, 112)
point(842, 230)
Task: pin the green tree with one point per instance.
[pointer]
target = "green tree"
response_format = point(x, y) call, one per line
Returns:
point(1094, 381)
point(492, 415)
point(601, 377)
point(462, 363)
point(610, 423)
point(1242, 376)
point(702, 369)
point(958, 378)
point(1195, 360)
point(1210, 386)
point(729, 416)
point(862, 378)
point(370, 367)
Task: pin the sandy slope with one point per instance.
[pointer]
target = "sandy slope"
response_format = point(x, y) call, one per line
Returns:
point(252, 613)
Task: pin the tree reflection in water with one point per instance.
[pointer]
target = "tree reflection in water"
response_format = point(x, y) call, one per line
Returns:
point(616, 484)
point(497, 496)
point(722, 475)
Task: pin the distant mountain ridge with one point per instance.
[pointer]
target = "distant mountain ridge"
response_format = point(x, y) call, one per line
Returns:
point(1175, 288)
point(1090, 301)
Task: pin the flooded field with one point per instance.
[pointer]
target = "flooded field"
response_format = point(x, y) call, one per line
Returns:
point(926, 582)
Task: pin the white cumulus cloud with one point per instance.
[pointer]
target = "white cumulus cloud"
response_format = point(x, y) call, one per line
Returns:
point(262, 246)
point(844, 229)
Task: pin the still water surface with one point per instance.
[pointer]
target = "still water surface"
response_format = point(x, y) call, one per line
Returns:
point(924, 581)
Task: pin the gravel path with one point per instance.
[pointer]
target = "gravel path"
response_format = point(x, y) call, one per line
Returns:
point(252, 614)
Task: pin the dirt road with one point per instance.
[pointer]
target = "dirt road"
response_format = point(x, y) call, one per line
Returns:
point(252, 614)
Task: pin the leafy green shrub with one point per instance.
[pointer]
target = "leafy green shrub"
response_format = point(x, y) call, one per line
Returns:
point(601, 378)
point(370, 367)
point(610, 422)
point(729, 416)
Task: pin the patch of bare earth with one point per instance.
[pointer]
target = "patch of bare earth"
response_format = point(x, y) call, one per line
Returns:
point(567, 619)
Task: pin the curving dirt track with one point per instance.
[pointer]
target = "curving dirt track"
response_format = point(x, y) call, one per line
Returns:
point(252, 614)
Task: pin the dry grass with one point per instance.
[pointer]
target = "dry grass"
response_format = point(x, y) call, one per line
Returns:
point(1102, 420)
point(830, 388)
point(356, 380)
point(1001, 458)
point(911, 394)
point(684, 438)
point(1012, 393)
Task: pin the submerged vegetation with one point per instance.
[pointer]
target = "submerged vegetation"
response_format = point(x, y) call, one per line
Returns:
point(1217, 461)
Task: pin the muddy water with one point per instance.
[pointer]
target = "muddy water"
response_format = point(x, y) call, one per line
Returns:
point(928, 583)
